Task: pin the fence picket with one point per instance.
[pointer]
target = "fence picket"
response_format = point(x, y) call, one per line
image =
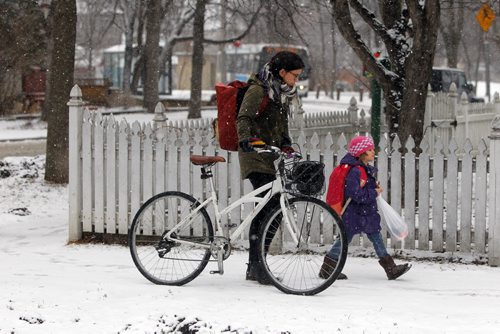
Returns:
point(234, 186)
point(383, 177)
point(99, 189)
point(135, 167)
point(437, 197)
point(315, 155)
point(123, 176)
point(466, 198)
point(184, 163)
point(147, 175)
point(423, 196)
point(481, 198)
point(409, 192)
point(111, 175)
point(87, 172)
point(396, 182)
point(452, 196)
point(222, 187)
point(159, 160)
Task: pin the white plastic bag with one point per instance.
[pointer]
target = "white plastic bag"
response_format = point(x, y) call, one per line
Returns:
point(393, 219)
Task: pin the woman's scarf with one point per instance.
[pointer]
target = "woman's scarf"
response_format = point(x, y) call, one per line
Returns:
point(278, 90)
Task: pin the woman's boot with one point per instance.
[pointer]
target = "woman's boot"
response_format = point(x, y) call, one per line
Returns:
point(392, 270)
point(328, 267)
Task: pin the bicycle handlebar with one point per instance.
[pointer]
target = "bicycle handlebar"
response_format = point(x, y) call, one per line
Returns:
point(275, 149)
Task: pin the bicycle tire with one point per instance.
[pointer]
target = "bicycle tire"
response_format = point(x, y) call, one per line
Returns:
point(294, 268)
point(167, 262)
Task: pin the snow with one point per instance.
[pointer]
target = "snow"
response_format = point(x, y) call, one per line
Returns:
point(481, 89)
point(50, 286)
point(22, 129)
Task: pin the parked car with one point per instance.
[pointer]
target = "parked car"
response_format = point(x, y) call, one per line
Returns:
point(442, 77)
point(343, 86)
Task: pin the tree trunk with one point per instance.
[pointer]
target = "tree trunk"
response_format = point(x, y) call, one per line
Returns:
point(138, 71)
point(409, 36)
point(10, 88)
point(451, 28)
point(197, 60)
point(334, 57)
point(50, 45)
point(129, 48)
point(151, 54)
point(418, 71)
point(222, 49)
point(61, 82)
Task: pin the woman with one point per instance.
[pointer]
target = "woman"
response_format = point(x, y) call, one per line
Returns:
point(361, 214)
point(277, 80)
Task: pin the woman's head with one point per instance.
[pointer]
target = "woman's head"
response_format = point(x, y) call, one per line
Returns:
point(362, 147)
point(287, 66)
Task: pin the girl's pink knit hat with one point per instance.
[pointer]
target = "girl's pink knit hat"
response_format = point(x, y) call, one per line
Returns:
point(360, 145)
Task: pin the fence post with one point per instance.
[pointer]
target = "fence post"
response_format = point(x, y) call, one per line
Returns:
point(159, 114)
point(453, 95)
point(494, 190)
point(299, 116)
point(464, 105)
point(353, 112)
point(496, 101)
point(75, 166)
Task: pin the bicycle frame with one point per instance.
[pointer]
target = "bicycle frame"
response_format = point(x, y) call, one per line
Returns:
point(272, 188)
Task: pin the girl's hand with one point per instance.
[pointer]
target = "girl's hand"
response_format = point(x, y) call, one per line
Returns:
point(379, 189)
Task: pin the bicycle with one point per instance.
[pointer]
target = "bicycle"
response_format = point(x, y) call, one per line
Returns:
point(172, 237)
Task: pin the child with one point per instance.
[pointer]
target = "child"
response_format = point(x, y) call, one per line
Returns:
point(361, 213)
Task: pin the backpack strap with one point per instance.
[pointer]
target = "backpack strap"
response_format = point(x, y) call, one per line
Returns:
point(263, 103)
point(362, 184)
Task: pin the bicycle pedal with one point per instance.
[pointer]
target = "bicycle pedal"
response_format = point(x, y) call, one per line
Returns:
point(216, 272)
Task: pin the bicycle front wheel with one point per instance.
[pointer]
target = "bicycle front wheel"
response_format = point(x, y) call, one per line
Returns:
point(170, 261)
point(292, 251)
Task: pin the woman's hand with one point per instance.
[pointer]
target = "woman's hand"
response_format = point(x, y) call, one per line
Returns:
point(379, 189)
point(248, 144)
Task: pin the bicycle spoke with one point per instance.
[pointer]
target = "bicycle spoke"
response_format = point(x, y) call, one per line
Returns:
point(293, 262)
point(170, 261)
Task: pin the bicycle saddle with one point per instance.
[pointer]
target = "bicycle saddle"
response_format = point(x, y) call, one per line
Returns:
point(205, 159)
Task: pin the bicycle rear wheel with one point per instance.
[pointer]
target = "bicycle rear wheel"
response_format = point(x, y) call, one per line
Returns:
point(293, 267)
point(165, 261)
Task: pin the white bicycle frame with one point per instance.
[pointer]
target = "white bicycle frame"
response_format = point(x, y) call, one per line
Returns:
point(273, 187)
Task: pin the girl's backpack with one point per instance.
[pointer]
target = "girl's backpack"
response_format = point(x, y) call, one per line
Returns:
point(336, 187)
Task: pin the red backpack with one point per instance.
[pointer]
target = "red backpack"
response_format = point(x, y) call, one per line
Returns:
point(229, 98)
point(336, 187)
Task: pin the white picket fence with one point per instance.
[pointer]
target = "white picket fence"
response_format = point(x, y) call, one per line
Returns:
point(444, 197)
point(447, 117)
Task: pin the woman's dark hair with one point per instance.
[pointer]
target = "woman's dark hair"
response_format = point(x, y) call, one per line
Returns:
point(286, 60)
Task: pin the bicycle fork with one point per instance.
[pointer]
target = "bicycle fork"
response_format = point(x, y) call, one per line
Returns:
point(289, 219)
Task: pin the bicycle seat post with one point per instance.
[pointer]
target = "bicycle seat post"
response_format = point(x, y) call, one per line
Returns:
point(206, 172)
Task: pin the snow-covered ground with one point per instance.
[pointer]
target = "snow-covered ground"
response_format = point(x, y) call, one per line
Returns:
point(48, 286)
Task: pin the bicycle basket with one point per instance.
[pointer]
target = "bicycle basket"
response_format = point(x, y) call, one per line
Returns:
point(306, 178)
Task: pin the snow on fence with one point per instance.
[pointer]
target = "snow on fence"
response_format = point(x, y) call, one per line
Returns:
point(444, 194)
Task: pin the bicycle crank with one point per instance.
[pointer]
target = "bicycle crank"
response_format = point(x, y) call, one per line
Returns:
point(220, 249)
